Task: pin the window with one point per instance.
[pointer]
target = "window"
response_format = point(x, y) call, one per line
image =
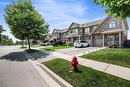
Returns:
point(75, 31)
point(87, 30)
point(83, 41)
point(71, 31)
point(80, 30)
point(112, 24)
point(94, 27)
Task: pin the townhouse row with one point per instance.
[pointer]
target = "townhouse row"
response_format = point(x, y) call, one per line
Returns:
point(104, 32)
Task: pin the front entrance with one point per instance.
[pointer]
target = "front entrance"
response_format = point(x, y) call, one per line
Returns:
point(111, 40)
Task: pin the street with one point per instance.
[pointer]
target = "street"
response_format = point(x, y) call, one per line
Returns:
point(16, 70)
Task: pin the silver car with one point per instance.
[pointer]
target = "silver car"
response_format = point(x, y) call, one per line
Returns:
point(81, 43)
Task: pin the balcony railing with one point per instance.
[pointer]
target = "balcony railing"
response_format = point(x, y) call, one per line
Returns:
point(72, 34)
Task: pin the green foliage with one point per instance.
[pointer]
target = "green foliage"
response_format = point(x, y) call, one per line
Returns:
point(69, 44)
point(56, 48)
point(118, 8)
point(24, 21)
point(5, 40)
point(1, 29)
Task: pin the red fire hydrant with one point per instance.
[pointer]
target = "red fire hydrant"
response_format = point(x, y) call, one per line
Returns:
point(74, 64)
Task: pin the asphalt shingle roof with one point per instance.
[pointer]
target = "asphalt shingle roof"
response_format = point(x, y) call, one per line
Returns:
point(96, 22)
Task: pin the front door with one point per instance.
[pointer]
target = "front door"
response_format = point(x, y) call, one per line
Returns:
point(110, 40)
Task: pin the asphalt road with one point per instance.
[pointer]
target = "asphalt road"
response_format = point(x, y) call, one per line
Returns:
point(16, 71)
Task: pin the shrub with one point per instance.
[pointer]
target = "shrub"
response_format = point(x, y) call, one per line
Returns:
point(69, 44)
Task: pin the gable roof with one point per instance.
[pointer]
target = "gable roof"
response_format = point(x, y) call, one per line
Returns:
point(64, 30)
point(73, 25)
point(107, 18)
point(92, 23)
point(56, 30)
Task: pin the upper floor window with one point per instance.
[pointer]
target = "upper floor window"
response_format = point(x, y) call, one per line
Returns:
point(94, 27)
point(80, 30)
point(112, 24)
point(75, 31)
point(71, 31)
point(87, 30)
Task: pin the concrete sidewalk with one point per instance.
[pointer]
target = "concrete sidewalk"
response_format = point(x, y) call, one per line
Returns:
point(115, 70)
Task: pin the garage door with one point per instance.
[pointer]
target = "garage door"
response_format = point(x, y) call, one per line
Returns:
point(97, 43)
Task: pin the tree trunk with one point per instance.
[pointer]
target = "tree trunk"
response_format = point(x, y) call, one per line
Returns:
point(28, 44)
point(22, 43)
point(0, 39)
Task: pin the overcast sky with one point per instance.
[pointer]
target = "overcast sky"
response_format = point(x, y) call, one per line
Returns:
point(60, 14)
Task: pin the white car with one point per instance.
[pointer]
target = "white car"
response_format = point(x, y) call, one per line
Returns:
point(81, 43)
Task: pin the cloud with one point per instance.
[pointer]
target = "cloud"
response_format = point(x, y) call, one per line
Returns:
point(60, 13)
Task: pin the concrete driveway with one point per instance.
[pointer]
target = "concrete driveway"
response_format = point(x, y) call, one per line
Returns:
point(16, 70)
point(76, 51)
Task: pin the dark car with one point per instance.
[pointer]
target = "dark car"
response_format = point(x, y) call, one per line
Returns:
point(56, 43)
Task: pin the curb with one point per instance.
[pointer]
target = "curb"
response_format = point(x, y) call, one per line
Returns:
point(51, 75)
point(57, 78)
point(48, 80)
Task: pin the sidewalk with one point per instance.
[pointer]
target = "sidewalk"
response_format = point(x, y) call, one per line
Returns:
point(115, 70)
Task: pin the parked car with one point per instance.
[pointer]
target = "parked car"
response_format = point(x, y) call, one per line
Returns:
point(56, 43)
point(44, 44)
point(81, 43)
point(41, 43)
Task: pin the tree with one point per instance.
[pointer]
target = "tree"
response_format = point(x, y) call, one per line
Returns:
point(5, 40)
point(118, 8)
point(24, 21)
point(1, 30)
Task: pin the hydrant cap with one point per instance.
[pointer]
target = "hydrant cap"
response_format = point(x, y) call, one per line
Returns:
point(75, 57)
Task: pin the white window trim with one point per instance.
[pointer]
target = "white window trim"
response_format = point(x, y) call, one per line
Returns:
point(112, 24)
point(87, 30)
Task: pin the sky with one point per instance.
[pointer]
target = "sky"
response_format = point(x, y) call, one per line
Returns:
point(59, 14)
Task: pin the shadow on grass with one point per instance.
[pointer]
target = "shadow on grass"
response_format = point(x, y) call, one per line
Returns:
point(15, 56)
point(31, 51)
point(79, 71)
point(39, 55)
point(48, 49)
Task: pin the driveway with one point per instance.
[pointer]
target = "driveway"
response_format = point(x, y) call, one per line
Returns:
point(75, 51)
point(16, 70)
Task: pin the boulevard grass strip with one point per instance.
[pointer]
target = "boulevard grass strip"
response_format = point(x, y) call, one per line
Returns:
point(32, 51)
point(56, 48)
point(36, 46)
point(118, 56)
point(86, 77)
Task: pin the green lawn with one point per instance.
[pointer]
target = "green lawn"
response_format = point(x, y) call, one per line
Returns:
point(56, 48)
point(119, 56)
point(31, 51)
point(86, 77)
point(36, 46)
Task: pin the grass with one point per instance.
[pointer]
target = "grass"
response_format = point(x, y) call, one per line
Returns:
point(32, 51)
point(118, 56)
point(56, 48)
point(86, 77)
point(35, 46)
